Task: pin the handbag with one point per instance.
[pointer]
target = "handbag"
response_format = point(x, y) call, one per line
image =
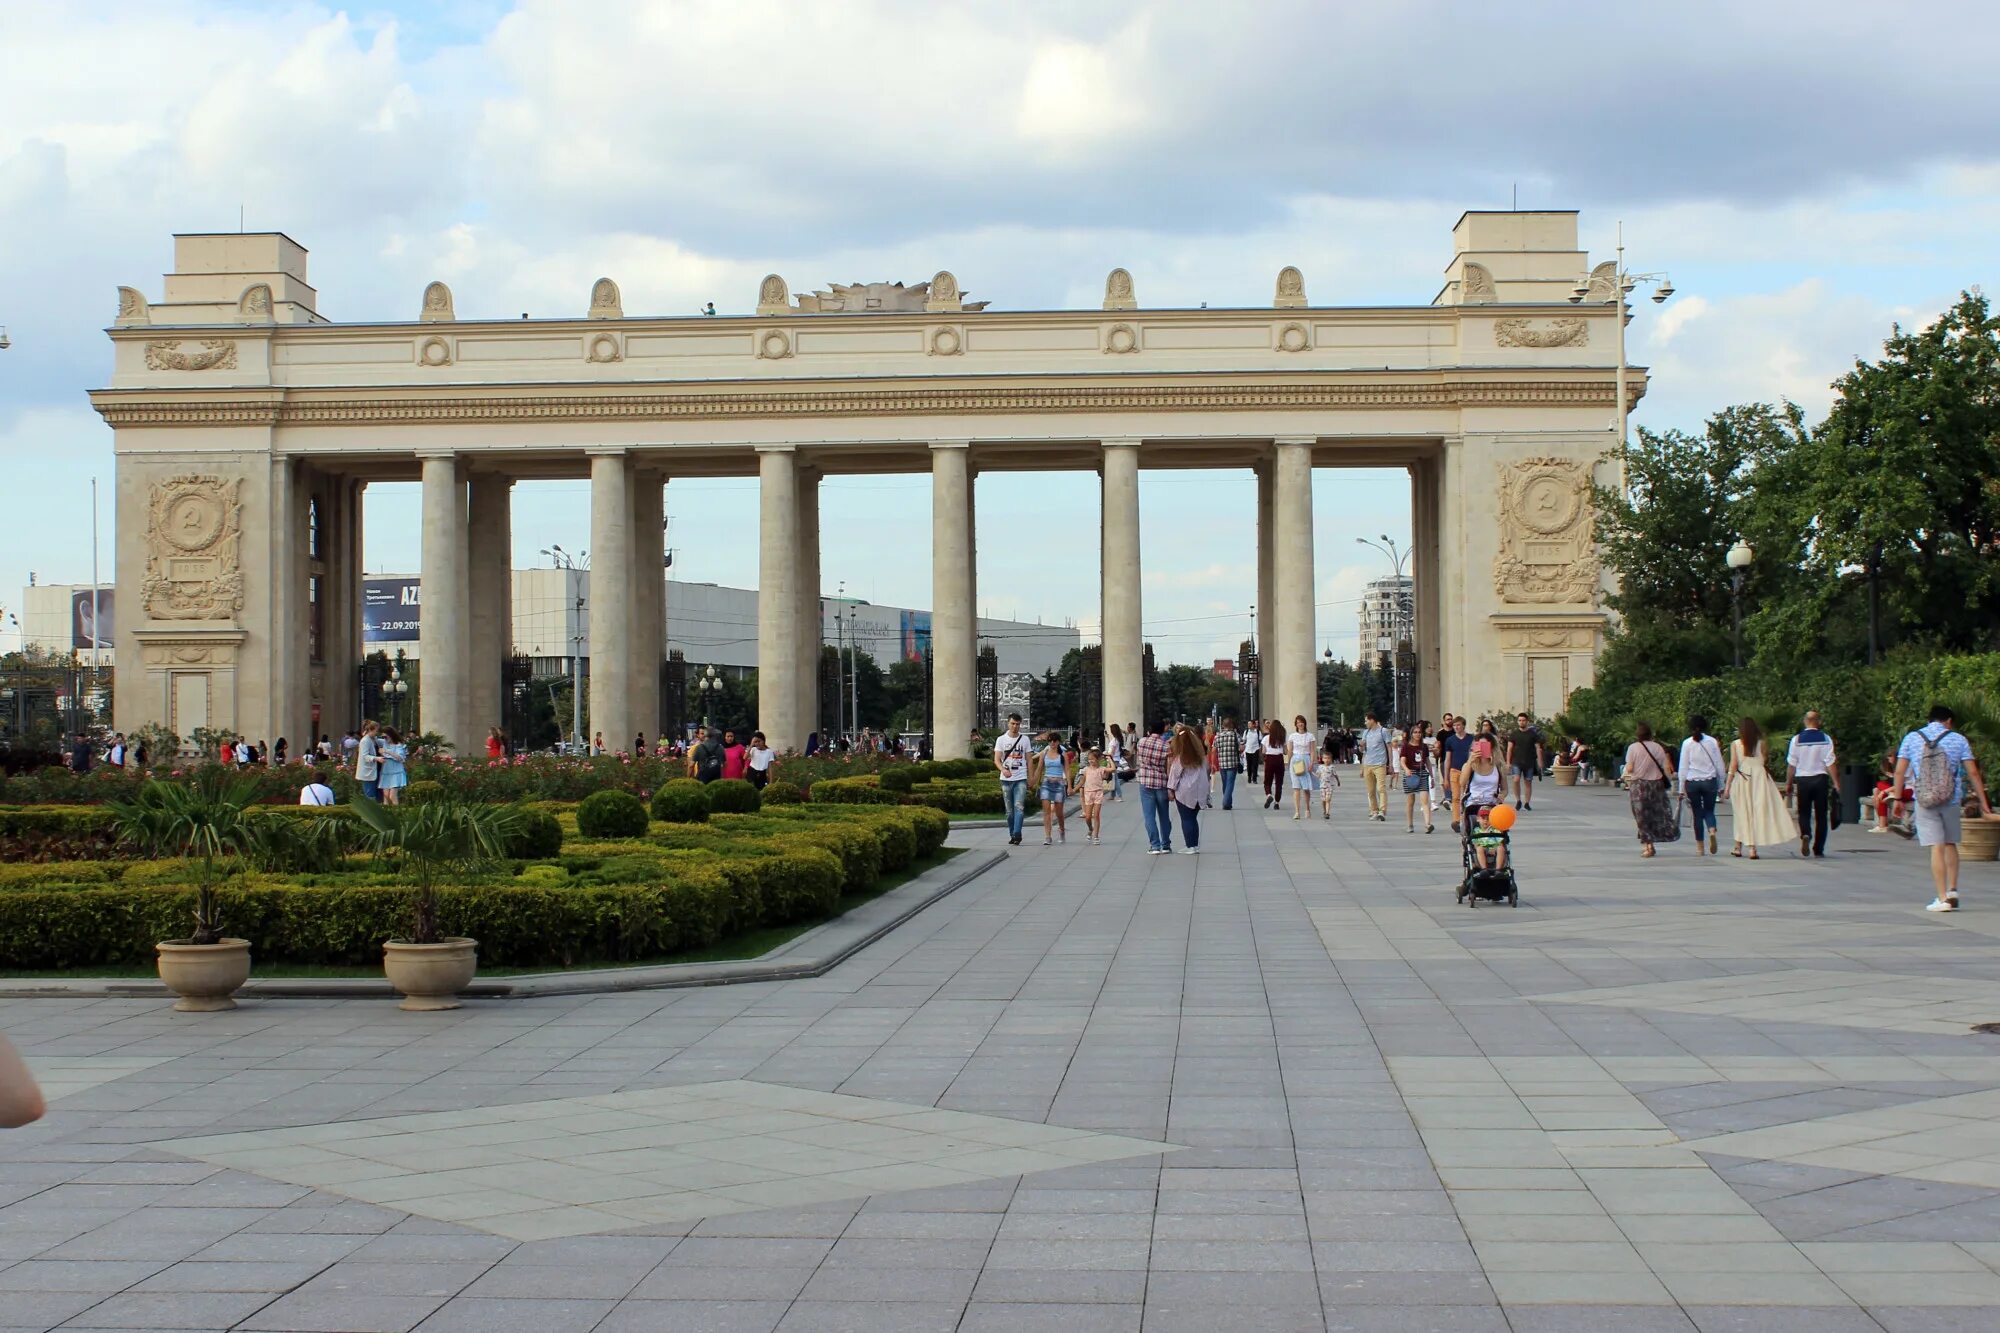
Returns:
point(1298, 768)
point(1413, 782)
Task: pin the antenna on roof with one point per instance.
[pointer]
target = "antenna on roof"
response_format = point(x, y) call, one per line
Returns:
point(1517, 196)
point(239, 219)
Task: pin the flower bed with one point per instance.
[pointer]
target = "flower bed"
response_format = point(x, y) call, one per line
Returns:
point(678, 888)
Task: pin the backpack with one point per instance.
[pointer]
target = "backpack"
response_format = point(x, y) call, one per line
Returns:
point(1937, 774)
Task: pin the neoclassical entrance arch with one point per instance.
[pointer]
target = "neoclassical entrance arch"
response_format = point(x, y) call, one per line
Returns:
point(247, 426)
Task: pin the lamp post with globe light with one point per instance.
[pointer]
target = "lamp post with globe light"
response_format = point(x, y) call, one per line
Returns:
point(1402, 630)
point(1622, 285)
point(1739, 558)
point(710, 687)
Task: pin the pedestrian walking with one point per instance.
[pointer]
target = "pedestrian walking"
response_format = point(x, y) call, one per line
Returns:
point(1477, 787)
point(1228, 757)
point(1299, 747)
point(1413, 762)
point(735, 755)
point(1936, 761)
point(1187, 778)
point(1757, 813)
point(1648, 775)
point(1093, 775)
point(1154, 754)
point(395, 767)
point(1525, 756)
point(1010, 758)
point(1375, 743)
point(368, 761)
point(1114, 751)
point(760, 760)
point(1326, 776)
point(1701, 781)
point(1811, 772)
point(1454, 750)
point(1048, 774)
point(1272, 747)
point(1253, 751)
point(706, 759)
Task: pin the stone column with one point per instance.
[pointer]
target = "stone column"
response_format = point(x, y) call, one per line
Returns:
point(1455, 606)
point(808, 620)
point(490, 546)
point(1267, 596)
point(649, 600)
point(1424, 578)
point(1294, 673)
point(954, 616)
point(778, 598)
point(288, 693)
point(611, 555)
point(1124, 640)
point(444, 701)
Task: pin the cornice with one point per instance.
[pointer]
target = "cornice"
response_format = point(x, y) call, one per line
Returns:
point(318, 407)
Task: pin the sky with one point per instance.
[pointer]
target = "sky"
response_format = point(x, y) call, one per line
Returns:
point(1809, 174)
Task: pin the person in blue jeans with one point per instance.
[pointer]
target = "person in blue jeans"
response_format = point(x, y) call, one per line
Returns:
point(1701, 779)
point(1155, 800)
point(1010, 757)
point(1228, 758)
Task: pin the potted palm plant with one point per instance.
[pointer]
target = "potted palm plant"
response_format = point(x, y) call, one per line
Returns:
point(429, 968)
point(208, 819)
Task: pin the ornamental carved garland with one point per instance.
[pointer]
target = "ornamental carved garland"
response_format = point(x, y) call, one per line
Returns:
point(194, 532)
point(1548, 549)
point(215, 354)
point(1557, 333)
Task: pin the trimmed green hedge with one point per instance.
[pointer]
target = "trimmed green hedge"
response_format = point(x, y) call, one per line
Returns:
point(682, 801)
point(611, 814)
point(779, 792)
point(606, 900)
point(732, 796)
point(977, 795)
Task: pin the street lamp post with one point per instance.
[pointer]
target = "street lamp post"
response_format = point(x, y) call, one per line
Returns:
point(1622, 285)
point(574, 566)
point(1401, 629)
point(396, 688)
point(1739, 558)
point(709, 686)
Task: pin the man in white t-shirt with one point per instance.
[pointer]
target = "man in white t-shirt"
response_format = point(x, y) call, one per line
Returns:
point(1010, 757)
point(1810, 770)
point(316, 792)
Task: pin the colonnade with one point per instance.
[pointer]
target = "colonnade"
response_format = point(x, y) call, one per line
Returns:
point(467, 590)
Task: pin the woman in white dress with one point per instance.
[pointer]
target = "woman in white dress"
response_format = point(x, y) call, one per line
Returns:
point(1757, 813)
point(1299, 766)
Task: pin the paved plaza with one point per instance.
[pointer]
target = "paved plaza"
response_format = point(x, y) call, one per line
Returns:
point(1285, 1085)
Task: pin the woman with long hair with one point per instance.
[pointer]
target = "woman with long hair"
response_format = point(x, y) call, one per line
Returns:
point(1701, 779)
point(1299, 766)
point(1475, 786)
point(1649, 772)
point(1114, 750)
point(1208, 748)
point(1048, 774)
point(1757, 813)
point(1187, 781)
point(1413, 761)
point(395, 767)
point(1274, 762)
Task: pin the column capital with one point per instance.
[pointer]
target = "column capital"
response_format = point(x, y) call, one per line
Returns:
point(1283, 440)
point(1123, 443)
point(951, 444)
point(776, 448)
point(605, 451)
point(436, 453)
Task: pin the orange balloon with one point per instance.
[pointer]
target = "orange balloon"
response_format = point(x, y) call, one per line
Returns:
point(1501, 817)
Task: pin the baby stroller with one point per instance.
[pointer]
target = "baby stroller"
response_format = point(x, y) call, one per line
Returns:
point(1495, 884)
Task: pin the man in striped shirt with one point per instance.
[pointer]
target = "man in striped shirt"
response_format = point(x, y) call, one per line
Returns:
point(1228, 757)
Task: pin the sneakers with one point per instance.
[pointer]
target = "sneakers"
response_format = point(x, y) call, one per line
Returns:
point(1190, 851)
point(1156, 851)
point(1942, 905)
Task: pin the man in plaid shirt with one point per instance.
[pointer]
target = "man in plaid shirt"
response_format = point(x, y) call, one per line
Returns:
point(1153, 759)
point(1228, 758)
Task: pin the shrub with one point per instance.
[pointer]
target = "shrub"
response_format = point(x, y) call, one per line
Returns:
point(859, 851)
point(930, 827)
point(537, 836)
point(682, 801)
point(423, 791)
point(896, 779)
point(732, 796)
point(779, 792)
point(611, 814)
point(800, 884)
point(852, 791)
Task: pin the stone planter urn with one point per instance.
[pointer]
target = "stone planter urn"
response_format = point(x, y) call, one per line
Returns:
point(205, 976)
point(1565, 774)
point(1979, 839)
point(430, 976)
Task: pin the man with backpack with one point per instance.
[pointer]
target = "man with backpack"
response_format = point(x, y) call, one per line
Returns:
point(1936, 760)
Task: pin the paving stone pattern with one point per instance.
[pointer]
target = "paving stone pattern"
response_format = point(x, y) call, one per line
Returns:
point(1286, 1084)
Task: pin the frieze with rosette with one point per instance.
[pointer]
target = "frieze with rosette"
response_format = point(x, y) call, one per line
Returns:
point(194, 530)
point(1553, 333)
point(215, 354)
point(1548, 548)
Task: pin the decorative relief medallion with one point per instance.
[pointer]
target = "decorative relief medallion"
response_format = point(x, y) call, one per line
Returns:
point(434, 352)
point(1121, 339)
point(605, 303)
point(1554, 333)
point(1477, 288)
point(194, 529)
point(773, 297)
point(1291, 288)
point(437, 305)
point(1548, 551)
point(944, 294)
point(132, 307)
point(604, 349)
point(1293, 338)
point(254, 307)
point(946, 342)
point(1603, 282)
point(215, 354)
point(1118, 291)
point(774, 345)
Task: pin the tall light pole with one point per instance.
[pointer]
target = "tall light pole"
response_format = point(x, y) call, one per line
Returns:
point(1401, 631)
point(1739, 558)
point(709, 686)
point(573, 566)
point(1622, 284)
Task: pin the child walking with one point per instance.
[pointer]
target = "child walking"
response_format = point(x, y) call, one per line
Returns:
point(1091, 779)
point(1326, 777)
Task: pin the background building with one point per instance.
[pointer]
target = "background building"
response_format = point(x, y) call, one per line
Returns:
point(1388, 617)
point(58, 618)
